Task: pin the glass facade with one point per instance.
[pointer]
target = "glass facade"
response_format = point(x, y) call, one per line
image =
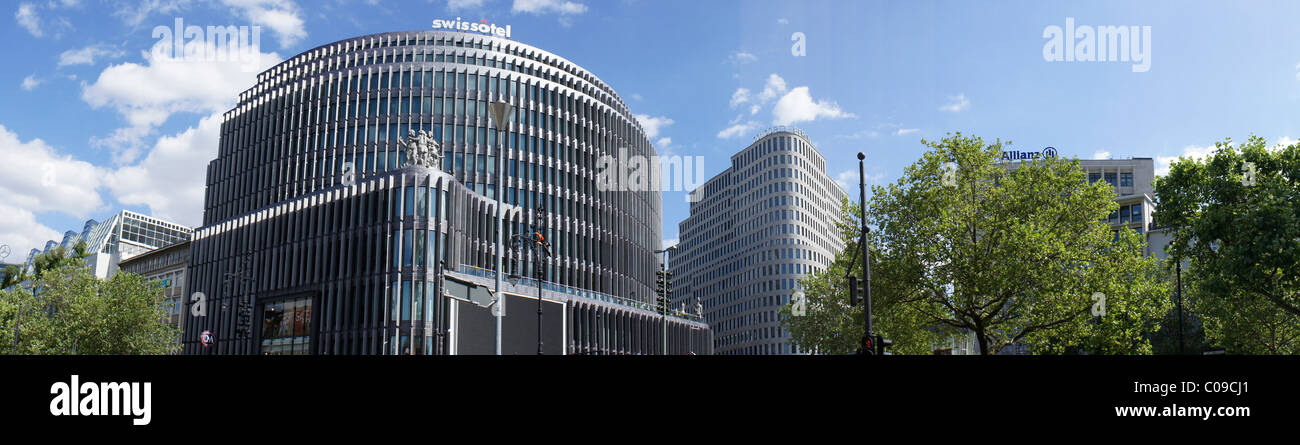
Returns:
point(352, 101)
point(370, 246)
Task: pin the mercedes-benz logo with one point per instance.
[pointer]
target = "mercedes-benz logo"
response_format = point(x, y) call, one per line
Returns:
point(4, 251)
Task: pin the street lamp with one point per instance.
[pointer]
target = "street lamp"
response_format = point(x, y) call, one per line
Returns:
point(664, 286)
point(867, 337)
point(498, 115)
point(535, 242)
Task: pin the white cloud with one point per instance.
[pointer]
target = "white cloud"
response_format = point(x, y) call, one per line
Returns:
point(739, 97)
point(849, 181)
point(165, 179)
point(906, 131)
point(664, 147)
point(958, 103)
point(29, 19)
point(1297, 71)
point(737, 130)
point(549, 6)
point(635, 96)
point(21, 232)
point(741, 57)
point(798, 106)
point(87, 55)
point(134, 16)
point(774, 87)
point(861, 134)
point(147, 95)
point(783, 21)
point(845, 176)
point(36, 178)
point(31, 82)
point(670, 242)
point(1101, 154)
point(279, 15)
point(1283, 141)
point(463, 4)
point(652, 125)
point(1190, 151)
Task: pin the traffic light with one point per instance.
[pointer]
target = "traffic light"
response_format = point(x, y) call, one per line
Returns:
point(853, 291)
point(882, 343)
point(867, 347)
point(668, 284)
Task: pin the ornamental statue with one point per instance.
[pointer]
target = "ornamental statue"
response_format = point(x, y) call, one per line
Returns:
point(421, 150)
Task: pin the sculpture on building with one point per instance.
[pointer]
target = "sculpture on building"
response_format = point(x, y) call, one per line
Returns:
point(421, 150)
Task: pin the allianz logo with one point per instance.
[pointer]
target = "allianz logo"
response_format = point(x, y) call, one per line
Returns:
point(1049, 152)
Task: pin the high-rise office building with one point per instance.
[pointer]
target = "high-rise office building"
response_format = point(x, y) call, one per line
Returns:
point(1131, 179)
point(754, 231)
point(342, 245)
point(118, 238)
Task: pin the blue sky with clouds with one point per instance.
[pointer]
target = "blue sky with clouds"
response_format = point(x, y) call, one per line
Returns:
point(92, 123)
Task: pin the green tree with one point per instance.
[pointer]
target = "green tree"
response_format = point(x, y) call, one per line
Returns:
point(12, 275)
point(831, 326)
point(1241, 237)
point(73, 312)
point(1014, 255)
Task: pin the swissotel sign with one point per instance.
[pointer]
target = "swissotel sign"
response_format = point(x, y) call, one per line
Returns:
point(1049, 152)
point(481, 27)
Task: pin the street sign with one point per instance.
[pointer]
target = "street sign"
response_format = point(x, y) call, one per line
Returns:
point(481, 296)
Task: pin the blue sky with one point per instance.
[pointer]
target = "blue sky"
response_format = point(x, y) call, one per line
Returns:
point(91, 124)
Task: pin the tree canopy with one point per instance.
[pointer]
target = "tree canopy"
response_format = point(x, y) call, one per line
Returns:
point(67, 310)
point(1010, 254)
point(1235, 217)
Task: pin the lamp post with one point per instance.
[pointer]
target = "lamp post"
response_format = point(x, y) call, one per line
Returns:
point(866, 251)
point(1180, 306)
point(536, 244)
point(498, 118)
point(664, 283)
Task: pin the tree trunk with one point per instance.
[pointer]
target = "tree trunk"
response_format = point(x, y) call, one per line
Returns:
point(979, 336)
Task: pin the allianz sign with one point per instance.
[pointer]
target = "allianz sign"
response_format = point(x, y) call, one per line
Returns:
point(1049, 152)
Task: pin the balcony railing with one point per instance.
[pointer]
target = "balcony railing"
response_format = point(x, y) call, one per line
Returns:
point(578, 292)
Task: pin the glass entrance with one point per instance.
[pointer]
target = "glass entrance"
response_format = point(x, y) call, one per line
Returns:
point(286, 326)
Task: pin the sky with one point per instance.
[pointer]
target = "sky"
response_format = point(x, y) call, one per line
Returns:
point(95, 121)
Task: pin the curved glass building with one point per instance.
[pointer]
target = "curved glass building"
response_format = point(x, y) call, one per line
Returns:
point(755, 230)
point(320, 237)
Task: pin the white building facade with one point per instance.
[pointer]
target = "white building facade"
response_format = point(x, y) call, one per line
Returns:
point(754, 231)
